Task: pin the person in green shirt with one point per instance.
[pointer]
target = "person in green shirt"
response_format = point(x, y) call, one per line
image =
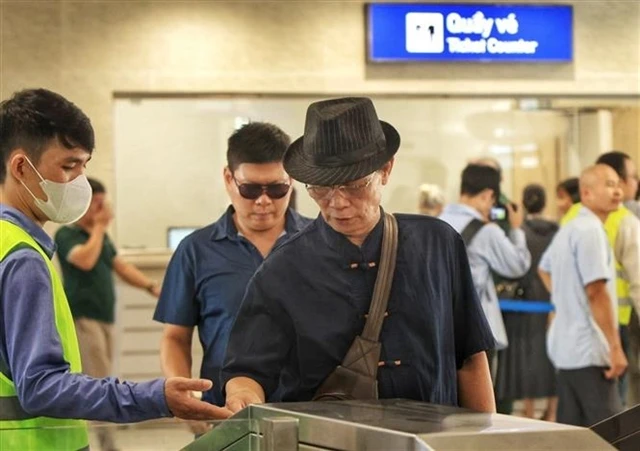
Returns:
point(88, 259)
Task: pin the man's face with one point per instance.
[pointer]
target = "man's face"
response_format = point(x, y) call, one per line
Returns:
point(563, 201)
point(57, 164)
point(264, 212)
point(630, 185)
point(352, 209)
point(605, 194)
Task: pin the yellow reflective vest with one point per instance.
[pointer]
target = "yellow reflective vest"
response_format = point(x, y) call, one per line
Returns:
point(20, 430)
point(611, 227)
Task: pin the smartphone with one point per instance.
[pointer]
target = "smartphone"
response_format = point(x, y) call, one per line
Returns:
point(498, 213)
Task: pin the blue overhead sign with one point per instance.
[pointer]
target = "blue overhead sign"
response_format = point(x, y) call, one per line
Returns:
point(469, 32)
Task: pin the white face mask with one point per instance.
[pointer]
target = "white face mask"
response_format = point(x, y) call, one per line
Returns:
point(66, 202)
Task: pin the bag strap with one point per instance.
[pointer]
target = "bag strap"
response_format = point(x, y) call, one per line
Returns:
point(471, 230)
point(384, 280)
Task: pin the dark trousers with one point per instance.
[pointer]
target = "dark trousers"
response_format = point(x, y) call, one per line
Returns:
point(633, 372)
point(586, 397)
point(502, 405)
point(623, 381)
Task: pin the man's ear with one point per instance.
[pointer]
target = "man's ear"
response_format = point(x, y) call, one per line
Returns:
point(386, 171)
point(17, 164)
point(227, 174)
point(488, 195)
point(289, 178)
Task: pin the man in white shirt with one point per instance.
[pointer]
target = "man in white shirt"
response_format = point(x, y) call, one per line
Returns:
point(583, 341)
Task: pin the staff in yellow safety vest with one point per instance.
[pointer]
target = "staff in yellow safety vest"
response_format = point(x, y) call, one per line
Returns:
point(623, 233)
point(628, 173)
point(624, 245)
point(45, 143)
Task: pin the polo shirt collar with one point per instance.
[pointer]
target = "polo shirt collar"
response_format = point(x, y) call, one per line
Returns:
point(584, 211)
point(226, 228)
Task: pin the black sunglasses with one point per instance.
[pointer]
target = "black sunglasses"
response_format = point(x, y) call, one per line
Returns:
point(254, 190)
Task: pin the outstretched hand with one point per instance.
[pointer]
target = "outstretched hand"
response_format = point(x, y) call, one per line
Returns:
point(182, 404)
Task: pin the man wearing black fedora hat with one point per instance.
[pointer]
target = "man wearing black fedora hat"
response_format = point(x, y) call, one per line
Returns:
point(309, 300)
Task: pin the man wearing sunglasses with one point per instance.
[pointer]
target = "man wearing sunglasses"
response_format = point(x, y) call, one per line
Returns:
point(309, 300)
point(210, 269)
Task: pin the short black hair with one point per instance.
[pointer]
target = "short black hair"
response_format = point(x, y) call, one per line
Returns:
point(572, 187)
point(96, 186)
point(32, 118)
point(534, 198)
point(256, 142)
point(476, 178)
point(617, 161)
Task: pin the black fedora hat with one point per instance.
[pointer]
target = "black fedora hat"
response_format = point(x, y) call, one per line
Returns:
point(343, 141)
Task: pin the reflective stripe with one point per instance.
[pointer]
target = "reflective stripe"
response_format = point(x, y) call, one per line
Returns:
point(623, 302)
point(11, 409)
point(612, 227)
point(624, 312)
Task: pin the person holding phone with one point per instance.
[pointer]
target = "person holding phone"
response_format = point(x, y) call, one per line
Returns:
point(499, 213)
point(490, 249)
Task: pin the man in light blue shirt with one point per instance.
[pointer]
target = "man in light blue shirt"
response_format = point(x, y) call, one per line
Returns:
point(490, 249)
point(583, 341)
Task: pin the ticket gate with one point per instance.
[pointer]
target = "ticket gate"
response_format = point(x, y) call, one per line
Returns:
point(395, 424)
point(622, 430)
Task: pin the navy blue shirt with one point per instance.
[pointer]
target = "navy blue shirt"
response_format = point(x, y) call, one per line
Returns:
point(204, 285)
point(306, 304)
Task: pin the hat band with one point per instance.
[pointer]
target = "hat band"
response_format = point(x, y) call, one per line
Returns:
point(348, 158)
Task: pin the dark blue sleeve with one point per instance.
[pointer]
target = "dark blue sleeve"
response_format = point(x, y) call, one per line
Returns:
point(261, 336)
point(32, 350)
point(471, 330)
point(177, 303)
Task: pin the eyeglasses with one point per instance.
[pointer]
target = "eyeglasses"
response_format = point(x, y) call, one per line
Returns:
point(318, 192)
point(253, 191)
